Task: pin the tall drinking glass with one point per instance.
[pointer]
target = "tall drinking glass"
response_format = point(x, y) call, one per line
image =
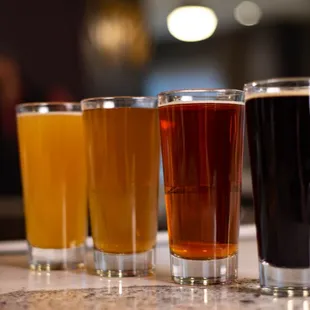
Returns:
point(202, 148)
point(123, 158)
point(53, 165)
point(278, 124)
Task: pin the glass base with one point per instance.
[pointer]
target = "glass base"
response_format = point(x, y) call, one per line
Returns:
point(284, 281)
point(203, 272)
point(57, 259)
point(124, 265)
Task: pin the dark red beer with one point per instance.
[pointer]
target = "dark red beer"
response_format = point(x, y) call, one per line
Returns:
point(202, 148)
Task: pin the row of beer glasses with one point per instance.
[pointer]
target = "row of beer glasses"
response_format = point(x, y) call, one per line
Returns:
point(104, 153)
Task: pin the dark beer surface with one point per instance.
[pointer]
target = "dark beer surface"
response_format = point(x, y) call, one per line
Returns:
point(279, 144)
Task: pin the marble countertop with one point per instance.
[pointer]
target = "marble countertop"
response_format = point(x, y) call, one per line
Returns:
point(24, 289)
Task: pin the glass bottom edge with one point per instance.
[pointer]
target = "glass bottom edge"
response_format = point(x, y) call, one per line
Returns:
point(204, 272)
point(284, 282)
point(57, 259)
point(124, 265)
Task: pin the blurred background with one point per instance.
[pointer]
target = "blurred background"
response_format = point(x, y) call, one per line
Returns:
point(68, 50)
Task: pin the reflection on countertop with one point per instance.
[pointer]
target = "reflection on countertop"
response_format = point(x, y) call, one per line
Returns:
point(241, 295)
point(235, 296)
point(23, 289)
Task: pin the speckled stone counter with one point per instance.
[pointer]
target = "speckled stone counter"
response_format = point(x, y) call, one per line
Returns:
point(242, 295)
point(23, 289)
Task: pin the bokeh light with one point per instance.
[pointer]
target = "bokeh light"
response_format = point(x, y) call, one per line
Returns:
point(192, 23)
point(248, 13)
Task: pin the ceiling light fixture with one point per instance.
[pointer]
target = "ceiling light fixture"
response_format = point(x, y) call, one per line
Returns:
point(192, 23)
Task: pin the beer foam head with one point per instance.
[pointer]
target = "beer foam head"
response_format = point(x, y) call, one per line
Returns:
point(200, 102)
point(64, 113)
point(278, 92)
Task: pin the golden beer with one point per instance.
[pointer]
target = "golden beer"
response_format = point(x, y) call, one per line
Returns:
point(53, 168)
point(123, 158)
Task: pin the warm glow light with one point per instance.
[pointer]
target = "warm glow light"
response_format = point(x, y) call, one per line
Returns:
point(248, 13)
point(117, 30)
point(192, 23)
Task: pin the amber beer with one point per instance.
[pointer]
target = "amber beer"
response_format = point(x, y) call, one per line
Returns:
point(123, 158)
point(202, 146)
point(53, 168)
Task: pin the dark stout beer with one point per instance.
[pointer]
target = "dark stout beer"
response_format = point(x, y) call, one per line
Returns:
point(279, 143)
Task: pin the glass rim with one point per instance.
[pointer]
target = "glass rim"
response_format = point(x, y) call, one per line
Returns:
point(268, 83)
point(111, 98)
point(201, 90)
point(47, 103)
point(201, 96)
point(34, 107)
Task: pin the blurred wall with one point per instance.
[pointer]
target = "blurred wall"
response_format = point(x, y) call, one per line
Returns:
point(43, 37)
point(40, 53)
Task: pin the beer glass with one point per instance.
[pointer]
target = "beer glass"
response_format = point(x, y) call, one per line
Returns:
point(278, 125)
point(122, 138)
point(202, 150)
point(53, 166)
